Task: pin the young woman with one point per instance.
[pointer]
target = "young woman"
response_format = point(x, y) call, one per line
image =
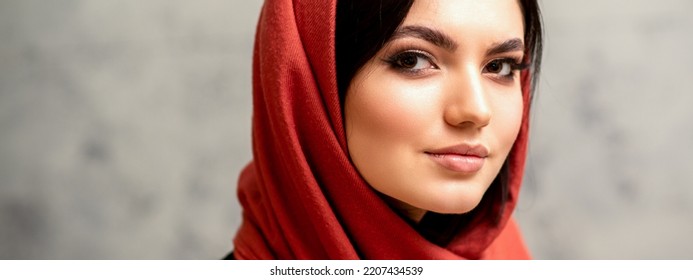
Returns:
point(389, 129)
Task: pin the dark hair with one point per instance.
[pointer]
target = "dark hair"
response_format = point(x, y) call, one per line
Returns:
point(363, 28)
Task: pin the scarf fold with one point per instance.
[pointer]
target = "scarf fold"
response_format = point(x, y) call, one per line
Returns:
point(301, 196)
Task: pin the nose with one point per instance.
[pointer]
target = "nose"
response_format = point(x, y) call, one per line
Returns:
point(467, 103)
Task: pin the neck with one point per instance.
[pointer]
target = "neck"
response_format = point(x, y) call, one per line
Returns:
point(413, 213)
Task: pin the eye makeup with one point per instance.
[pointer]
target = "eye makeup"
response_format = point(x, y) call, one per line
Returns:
point(411, 62)
point(505, 68)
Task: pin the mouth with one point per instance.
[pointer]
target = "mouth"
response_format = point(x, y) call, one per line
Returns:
point(461, 158)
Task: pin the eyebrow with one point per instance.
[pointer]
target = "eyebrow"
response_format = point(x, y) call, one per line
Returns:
point(436, 37)
point(511, 45)
point(442, 40)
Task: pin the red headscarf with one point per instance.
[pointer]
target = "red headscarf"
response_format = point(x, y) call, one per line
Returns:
point(302, 198)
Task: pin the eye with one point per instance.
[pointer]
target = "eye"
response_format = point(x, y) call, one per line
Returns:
point(499, 67)
point(411, 61)
point(504, 68)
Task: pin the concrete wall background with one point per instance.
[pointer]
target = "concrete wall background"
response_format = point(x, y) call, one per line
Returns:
point(123, 126)
point(610, 165)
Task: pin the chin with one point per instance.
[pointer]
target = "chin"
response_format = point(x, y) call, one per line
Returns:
point(459, 202)
point(459, 208)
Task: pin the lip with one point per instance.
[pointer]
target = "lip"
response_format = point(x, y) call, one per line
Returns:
point(464, 158)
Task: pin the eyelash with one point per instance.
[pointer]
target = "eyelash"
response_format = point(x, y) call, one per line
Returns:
point(395, 61)
point(515, 65)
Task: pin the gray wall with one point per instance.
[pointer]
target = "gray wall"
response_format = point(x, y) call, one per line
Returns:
point(611, 159)
point(123, 126)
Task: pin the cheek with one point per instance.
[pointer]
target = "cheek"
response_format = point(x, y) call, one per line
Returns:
point(508, 118)
point(387, 121)
point(389, 111)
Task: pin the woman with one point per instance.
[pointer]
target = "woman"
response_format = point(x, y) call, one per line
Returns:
point(388, 129)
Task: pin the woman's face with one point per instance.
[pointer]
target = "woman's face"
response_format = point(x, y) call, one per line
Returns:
point(431, 118)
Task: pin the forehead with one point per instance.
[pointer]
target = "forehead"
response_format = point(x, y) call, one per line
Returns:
point(471, 19)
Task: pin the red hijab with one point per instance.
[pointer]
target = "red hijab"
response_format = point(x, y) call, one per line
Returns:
point(301, 196)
